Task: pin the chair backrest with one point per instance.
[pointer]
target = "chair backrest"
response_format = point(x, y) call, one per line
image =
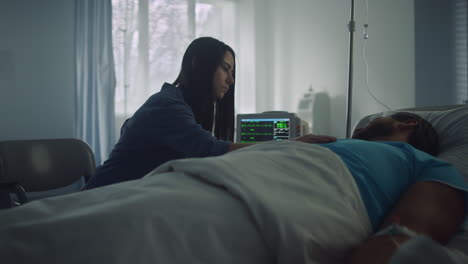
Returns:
point(44, 164)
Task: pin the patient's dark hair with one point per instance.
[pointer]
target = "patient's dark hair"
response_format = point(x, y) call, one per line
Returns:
point(424, 137)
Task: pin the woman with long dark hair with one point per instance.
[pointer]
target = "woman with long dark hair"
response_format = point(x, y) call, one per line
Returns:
point(193, 117)
point(206, 81)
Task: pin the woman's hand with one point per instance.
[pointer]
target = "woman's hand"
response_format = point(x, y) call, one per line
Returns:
point(315, 139)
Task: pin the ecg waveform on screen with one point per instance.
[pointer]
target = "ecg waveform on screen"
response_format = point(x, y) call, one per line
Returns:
point(257, 125)
point(267, 130)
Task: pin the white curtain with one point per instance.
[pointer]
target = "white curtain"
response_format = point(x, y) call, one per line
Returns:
point(95, 78)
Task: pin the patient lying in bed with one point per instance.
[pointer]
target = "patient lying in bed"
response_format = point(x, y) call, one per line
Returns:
point(433, 201)
point(277, 202)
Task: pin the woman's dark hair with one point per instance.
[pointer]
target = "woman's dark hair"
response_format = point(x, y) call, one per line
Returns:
point(195, 80)
point(424, 137)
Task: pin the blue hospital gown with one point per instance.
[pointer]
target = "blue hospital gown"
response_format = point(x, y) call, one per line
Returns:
point(383, 170)
point(162, 129)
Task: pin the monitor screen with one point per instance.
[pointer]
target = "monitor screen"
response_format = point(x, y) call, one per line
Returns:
point(264, 129)
point(267, 126)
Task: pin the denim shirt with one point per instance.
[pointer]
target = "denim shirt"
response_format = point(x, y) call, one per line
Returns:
point(162, 129)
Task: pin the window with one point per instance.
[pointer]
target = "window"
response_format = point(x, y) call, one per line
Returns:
point(150, 37)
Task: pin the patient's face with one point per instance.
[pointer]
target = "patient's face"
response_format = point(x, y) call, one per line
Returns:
point(377, 128)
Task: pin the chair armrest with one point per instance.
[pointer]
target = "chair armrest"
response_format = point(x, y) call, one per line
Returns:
point(7, 188)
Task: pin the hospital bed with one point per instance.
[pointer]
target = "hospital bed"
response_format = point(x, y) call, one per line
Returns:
point(236, 208)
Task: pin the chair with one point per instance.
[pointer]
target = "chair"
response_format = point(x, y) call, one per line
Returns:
point(42, 164)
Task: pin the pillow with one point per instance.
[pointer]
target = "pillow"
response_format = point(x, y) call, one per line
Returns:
point(452, 127)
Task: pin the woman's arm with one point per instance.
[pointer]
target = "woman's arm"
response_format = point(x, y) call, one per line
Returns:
point(306, 139)
point(429, 208)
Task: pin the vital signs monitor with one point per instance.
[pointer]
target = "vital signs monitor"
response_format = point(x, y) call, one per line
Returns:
point(269, 126)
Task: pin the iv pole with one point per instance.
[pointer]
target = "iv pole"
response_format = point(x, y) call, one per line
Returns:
point(351, 28)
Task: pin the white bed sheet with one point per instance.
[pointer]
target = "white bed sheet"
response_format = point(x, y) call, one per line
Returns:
point(279, 202)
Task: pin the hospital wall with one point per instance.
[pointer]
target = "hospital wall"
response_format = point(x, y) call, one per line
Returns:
point(390, 54)
point(415, 52)
point(303, 44)
point(36, 69)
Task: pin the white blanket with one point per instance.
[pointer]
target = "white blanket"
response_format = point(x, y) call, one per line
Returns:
point(280, 202)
